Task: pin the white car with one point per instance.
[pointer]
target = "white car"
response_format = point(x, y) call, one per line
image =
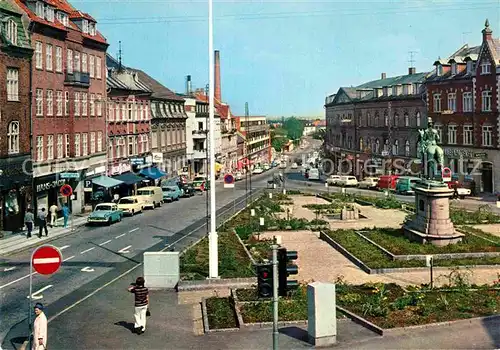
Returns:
point(347, 181)
point(283, 165)
point(463, 192)
point(368, 182)
point(238, 176)
point(294, 166)
point(333, 180)
point(257, 171)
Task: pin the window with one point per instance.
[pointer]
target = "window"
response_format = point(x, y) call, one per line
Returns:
point(66, 142)
point(468, 134)
point(50, 102)
point(12, 84)
point(123, 111)
point(49, 14)
point(470, 66)
point(437, 102)
point(418, 119)
point(487, 135)
point(92, 30)
point(92, 142)
point(396, 120)
point(452, 101)
point(84, 104)
point(141, 112)
point(59, 146)
point(69, 61)
point(77, 62)
point(439, 70)
point(77, 103)
point(439, 129)
point(77, 145)
point(452, 134)
point(63, 18)
point(99, 105)
point(485, 67)
point(395, 148)
point(39, 102)
point(85, 68)
point(92, 105)
point(146, 140)
point(130, 115)
point(117, 151)
point(377, 146)
point(486, 101)
point(66, 103)
point(59, 59)
point(98, 67)
point(386, 120)
point(407, 148)
point(13, 137)
point(85, 26)
point(85, 145)
point(38, 55)
point(39, 9)
point(48, 57)
point(467, 102)
point(91, 65)
point(59, 103)
point(39, 148)
point(130, 145)
point(50, 147)
point(453, 68)
point(11, 31)
point(99, 141)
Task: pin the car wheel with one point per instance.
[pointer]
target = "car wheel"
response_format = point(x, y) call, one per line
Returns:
point(133, 212)
point(154, 205)
point(119, 218)
point(109, 221)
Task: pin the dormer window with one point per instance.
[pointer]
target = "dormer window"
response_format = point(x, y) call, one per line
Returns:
point(485, 67)
point(11, 31)
point(439, 70)
point(39, 9)
point(395, 90)
point(92, 30)
point(49, 14)
point(386, 91)
point(85, 26)
point(470, 66)
point(63, 18)
point(454, 68)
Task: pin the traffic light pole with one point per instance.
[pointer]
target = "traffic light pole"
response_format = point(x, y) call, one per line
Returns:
point(275, 297)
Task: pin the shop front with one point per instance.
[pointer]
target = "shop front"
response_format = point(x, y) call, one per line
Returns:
point(88, 186)
point(15, 192)
point(47, 190)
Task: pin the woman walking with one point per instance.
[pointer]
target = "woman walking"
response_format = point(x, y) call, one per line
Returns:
point(39, 329)
point(141, 304)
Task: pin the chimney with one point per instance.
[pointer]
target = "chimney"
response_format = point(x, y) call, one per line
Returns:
point(412, 70)
point(383, 76)
point(217, 89)
point(188, 85)
point(487, 31)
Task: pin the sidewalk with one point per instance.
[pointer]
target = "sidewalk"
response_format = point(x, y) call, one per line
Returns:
point(15, 242)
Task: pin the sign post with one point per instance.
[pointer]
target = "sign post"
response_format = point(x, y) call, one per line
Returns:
point(446, 174)
point(46, 260)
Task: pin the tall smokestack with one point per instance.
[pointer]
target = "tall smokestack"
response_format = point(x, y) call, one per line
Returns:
point(217, 89)
point(188, 85)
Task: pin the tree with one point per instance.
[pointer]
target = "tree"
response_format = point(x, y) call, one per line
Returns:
point(294, 128)
point(278, 143)
point(319, 134)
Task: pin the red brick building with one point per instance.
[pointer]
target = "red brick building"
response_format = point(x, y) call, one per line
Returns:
point(15, 157)
point(463, 101)
point(68, 91)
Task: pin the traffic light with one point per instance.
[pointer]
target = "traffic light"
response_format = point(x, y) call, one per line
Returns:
point(285, 269)
point(265, 280)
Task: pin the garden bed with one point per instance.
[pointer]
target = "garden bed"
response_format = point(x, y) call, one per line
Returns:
point(220, 313)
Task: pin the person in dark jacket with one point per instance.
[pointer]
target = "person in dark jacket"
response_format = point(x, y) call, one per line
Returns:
point(141, 302)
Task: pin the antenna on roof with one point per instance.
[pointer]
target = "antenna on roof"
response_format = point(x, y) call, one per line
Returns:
point(120, 55)
point(411, 60)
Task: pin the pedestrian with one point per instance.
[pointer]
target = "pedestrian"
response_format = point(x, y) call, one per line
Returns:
point(53, 215)
point(39, 329)
point(29, 218)
point(42, 223)
point(65, 212)
point(141, 304)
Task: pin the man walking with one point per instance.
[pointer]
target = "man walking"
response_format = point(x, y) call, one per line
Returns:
point(42, 223)
point(39, 329)
point(53, 215)
point(65, 212)
point(29, 218)
point(141, 304)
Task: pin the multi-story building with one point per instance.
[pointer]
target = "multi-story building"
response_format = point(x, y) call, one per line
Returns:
point(68, 91)
point(229, 140)
point(129, 125)
point(15, 129)
point(463, 100)
point(374, 125)
point(258, 139)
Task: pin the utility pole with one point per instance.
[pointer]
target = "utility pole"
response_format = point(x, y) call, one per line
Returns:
point(389, 124)
point(207, 223)
point(247, 130)
point(244, 154)
point(275, 296)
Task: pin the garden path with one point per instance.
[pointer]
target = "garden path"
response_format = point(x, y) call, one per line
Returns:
point(493, 229)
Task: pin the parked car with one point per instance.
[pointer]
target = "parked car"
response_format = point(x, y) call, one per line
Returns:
point(105, 213)
point(294, 166)
point(368, 183)
point(200, 183)
point(387, 182)
point(313, 174)
point(131, 205)
point(257, 171)
point(405, 184)
point(187, 190)
point(282, 165)
point(238, 176)
point(347, 181)
point(153, 196)
point(333, 180)
point(171, 193)
point(266, 167)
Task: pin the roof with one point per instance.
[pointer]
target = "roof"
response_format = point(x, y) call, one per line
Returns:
point(126, 80)
point(79, 14)
point(159, 90)
point(391, 81)
point(461, 56)
point(10, 11)
point(7, 6)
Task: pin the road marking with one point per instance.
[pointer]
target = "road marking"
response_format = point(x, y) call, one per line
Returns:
point(71, 257)
point(35, 296)
point(133, 230)
point(123, 234)
point(9, 268)
point(46, 260)
point(87, 269)
point(64, 247)
point(103, 243)
point(19, 279)
point(87, 250)
point(125, 250)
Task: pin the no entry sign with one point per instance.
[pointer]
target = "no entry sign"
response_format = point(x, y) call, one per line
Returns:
point(46, 259)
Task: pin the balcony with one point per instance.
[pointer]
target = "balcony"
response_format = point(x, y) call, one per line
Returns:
point(254, 128)
point(257, 139)
point(199, 154)
point(199, 134)
point(77, 78)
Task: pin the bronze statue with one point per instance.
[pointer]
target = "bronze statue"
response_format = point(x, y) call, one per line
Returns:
point(429, 152)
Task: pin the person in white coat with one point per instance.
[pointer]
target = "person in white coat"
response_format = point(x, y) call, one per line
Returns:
point(39, 329)
point(53, 215)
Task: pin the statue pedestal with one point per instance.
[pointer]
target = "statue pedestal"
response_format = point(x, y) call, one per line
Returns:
point(432, 223)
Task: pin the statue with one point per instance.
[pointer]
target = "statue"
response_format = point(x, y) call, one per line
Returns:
point(430, 154)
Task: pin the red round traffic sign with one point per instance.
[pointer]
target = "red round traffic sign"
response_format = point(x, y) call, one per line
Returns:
point(228, 179)
point(66, 190)
point(46, 259)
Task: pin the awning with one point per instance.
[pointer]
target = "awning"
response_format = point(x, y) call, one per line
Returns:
point(128, 178)
point(106, 182)
point(152, 173)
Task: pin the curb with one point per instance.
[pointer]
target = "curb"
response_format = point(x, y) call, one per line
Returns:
point(184, 286)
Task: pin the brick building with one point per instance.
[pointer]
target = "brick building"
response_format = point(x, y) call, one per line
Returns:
point(374, 125)
point(15, 129)
point(68, 91)
point(463, 100)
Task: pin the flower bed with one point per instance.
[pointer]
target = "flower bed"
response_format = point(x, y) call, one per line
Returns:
point(221, 313)
point(483, 215)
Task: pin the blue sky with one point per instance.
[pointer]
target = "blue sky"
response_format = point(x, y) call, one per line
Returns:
point(284, 57)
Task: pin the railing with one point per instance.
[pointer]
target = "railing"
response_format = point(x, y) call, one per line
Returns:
point(199, 134)
point(252, 128)
point(79, 78)
point(199, 154)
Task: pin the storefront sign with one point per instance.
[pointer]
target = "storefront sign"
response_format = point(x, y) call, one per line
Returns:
point(120, 168)
point(98, 170)
point(137, 161)
point(47, 185)
point(69, 175)
point(464, 153)
point(87, 186)
point(157, 157)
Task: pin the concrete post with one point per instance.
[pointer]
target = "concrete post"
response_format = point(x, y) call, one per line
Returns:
point(322, 317)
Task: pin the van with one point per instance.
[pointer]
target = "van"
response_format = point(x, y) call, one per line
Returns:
point(405, 184)
point(152, 195)
point(313, 174)
point(387, 182)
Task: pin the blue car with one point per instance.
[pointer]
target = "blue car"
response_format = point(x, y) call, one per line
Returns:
point(105, 213)
point(171, 193)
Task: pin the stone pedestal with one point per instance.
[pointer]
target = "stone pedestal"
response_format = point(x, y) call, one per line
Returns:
point(349, 214)
point(322, 317)
point(432, 223)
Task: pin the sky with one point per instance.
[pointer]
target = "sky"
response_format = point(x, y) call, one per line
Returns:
point(285, 57)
